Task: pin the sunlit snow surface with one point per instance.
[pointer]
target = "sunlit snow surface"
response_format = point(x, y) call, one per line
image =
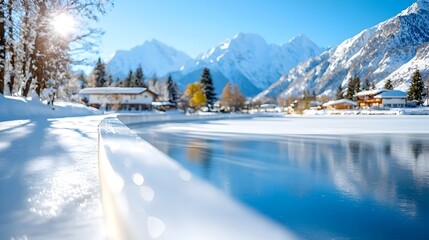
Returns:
point(49, 183)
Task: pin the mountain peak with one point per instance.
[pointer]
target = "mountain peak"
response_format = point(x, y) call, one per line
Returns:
point(416, 7)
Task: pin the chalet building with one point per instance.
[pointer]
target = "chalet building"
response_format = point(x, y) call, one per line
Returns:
point(341, 104)
point(382, 98)
point(118, 98)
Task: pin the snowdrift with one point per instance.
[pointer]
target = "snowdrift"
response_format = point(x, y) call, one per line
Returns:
point(12, 108)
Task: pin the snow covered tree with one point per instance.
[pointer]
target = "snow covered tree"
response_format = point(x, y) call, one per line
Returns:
point(339, 94)
point(207, 84)
point(139, 77)
point(195, 95)
point(2, 45)
point(388, 85)
point(173, 91)
point(415, 92)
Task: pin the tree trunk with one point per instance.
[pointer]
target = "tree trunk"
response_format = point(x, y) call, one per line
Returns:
point(11, 47)
point(2, 46)
point(40, 50)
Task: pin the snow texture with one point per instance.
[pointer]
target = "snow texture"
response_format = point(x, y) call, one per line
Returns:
point(246, 60)
point(154, 56)
point(12, 108)
point(48, 172)
point(393, 50)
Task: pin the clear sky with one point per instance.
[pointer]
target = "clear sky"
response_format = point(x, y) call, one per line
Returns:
point(194, 26)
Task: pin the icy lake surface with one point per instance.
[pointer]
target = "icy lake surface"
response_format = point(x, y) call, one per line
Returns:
point(351, 186)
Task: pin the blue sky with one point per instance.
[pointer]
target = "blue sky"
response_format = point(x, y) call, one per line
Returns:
point(195, 26)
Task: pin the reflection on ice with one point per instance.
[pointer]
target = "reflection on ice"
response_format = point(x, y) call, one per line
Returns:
point(318, 186)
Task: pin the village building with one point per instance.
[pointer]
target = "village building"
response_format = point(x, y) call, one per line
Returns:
point(118, 98)
point(382, 98)
point(341, 104)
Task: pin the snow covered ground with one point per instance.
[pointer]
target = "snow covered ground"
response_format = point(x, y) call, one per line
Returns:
point(49, 185)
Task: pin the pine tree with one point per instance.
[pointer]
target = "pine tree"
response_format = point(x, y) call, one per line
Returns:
point(373, 87)
point(82, 81)
point(415, 93)
point(353, 87)
point(367, 84)
point(129, 80)
point(173, 93)
point(388, 85)
point(350, 90)
point(99, 74)
point(339, 94)
point(357, 84)
point(139, 77)
point(110, 80)
point(207, 84)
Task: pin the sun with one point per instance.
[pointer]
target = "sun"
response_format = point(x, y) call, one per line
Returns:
point(63, 24)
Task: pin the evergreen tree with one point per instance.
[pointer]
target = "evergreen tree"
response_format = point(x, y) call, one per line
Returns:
point(353, 87)
point(350, 90)
point(82, 81)
point(99, 74)
point(173, 92)
point(373, 87)
point(367, 85)
point(357, 84)
point(110, 80)
point(388, 85)
point(207, 84)
point(339, 94)
point(139, 77)
point(415, 93)
point(129, 80)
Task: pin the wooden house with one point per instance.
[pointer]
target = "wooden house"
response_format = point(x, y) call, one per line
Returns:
point(118, 98)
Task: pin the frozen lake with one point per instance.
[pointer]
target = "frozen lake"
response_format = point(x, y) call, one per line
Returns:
point(355, 185)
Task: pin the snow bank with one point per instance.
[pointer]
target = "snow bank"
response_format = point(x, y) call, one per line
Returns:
point(147, 195)
point(12, 108)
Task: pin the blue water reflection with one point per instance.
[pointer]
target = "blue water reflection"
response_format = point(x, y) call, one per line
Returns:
point(320, 187)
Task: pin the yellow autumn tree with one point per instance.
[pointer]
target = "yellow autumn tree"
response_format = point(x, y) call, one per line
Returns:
point(232, 99)
point(195, 95)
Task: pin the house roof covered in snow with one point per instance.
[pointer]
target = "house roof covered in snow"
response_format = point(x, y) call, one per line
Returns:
point(370, 92)
point(113, 90)
point(392, 94)
point(341, 101)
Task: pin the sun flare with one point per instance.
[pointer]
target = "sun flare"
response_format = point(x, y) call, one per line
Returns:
point(63, 24)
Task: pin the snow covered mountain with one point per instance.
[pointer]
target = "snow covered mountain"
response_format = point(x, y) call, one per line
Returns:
point(154, 57)
point(249, 61)
point(393, 50)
